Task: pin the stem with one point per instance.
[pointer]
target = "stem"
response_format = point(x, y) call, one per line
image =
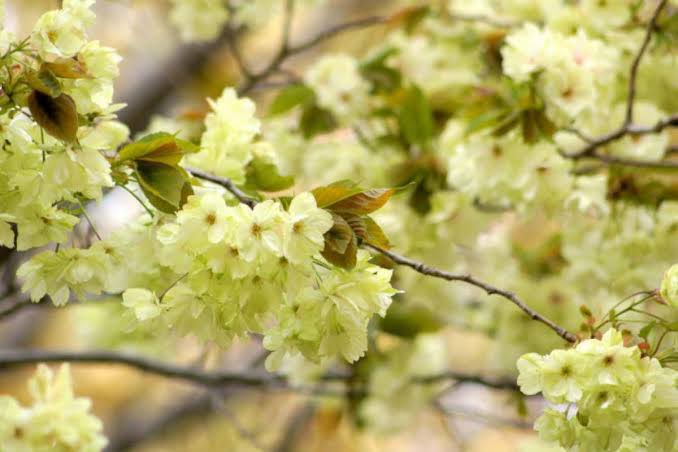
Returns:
point(627, 127)
point(489, 289)
point(210, 379)
point(134, 195)
point(89, 220)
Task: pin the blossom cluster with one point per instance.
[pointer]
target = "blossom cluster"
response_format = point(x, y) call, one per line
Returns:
point(606, 396)
point(56, 420)
point(42, 173)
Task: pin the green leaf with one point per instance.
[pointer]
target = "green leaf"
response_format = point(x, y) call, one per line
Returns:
point(291, 97)
point(263, 175)
point(408, 17)
point(56, 115)
point(316, 120)
point(160, 147)
point(341, 245)
point(166, 187)
point(407, 320)
point(383, 78)
point(44, 81)
point(416, 118)
point(485, 120)
point(646, 330)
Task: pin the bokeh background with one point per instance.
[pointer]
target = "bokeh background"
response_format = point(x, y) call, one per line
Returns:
point(141, 412)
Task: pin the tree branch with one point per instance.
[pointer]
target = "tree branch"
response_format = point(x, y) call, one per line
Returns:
point(288, 50)
point(489, 289)
point(636, 62)
point(590, 150)
point(224, 182)
point(418, 266)
point(215, 379)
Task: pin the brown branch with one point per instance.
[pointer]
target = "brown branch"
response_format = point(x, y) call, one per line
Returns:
point(226, 183)
point(213, 379)
point(418, 266)
point(288, 50)
point(495, 383)
point(651, 25)
point(590, 150)
point(489, 289)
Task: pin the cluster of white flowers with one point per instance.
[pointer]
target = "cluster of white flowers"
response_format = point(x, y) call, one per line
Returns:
point(395, 396)
point(199, 20)
point(340, 88)
point(669, 288)
point(505, 171)
point(573, 73)
point(55, 420)
point(203, 20)
point(226, 145)
point(37, 171)
point(616, 399)
point(240, 269)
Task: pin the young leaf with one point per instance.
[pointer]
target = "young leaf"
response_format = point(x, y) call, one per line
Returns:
point(263, 175)
point(416, 118)
point(356, 222)
point(336, 191)
point(166, 187)
point(341, 245)
point(67, 68)
point(405, 320)
point(374, 234)
point(160, 147)
point(44, 81)
point(290, 97)
point(364, 202)
point(56, 115)
point(315, 120)
point(383, 78)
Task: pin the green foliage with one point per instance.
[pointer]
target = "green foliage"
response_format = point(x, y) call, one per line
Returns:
point(264, 175)
point(290, 97)
point(416, 118)
point(350, 206)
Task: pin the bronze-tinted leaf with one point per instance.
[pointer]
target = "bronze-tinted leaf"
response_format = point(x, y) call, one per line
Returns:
point(56, 115)
point(357, 223)
point(364, 202)
point(336, 191)
point(67, 68)
point(374, 234)
point(44, 81)
point(341, 245)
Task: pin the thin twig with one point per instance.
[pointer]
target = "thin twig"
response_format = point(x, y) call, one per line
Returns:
point(590, 150)
point(14, 308)
point(418, 266)
point(495, 383)
point(489, 289)
point(288, 50)
point(224, 182)
point(479, 18)
point(636, 62)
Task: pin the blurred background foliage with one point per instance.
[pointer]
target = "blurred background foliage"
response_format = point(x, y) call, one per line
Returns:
point(145, 413)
